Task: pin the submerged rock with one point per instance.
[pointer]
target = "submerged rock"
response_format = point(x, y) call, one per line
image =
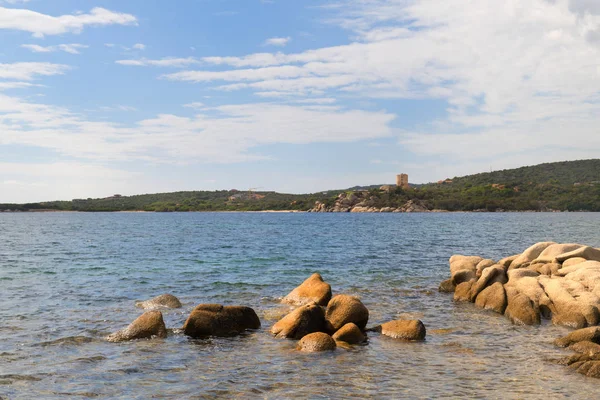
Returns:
point(218, 320)
point(403, 329)
point(447, 286)
point(149, 324)
point(313, 289)
point(300, 322)
point(163, 301)
point(343, 309)
point(317, 341)
point(591, 334)
point(349, 333)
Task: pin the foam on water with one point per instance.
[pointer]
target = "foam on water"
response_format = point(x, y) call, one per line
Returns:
point(69, 279)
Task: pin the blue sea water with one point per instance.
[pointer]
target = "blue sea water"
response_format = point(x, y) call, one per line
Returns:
point(69, 279)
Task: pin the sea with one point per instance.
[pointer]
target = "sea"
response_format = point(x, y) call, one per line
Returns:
point(67, 280)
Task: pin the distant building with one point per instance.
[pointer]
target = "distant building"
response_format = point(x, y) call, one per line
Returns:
point(402, 181)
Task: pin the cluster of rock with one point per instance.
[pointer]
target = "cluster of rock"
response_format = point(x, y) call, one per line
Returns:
point(320, 322)
point(559, 282)
point(364, 202)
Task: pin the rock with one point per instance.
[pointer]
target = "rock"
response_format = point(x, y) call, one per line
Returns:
point(488, 277)
point(343, 309)
point(404, 329)
point(516, 274)
point(585, 347)
point(571, 301)
point(300, 322)
point(313, 289)
point(520, 309)
point(149, 324)
point(507, 261)
point(591, 334)
point(463, 291)
point(483, 264)
point(349, 333)
point(163, 301)
point(551, 252)
point(447, 286)
point(573, 261)
point(317, 341)
point(218, 320)
point(530, 254)
point(530, 287)
point(414, 206)
point(492, 298)
point(548, 269)
point(585, 252)
point(586, 364)
point(463, 268)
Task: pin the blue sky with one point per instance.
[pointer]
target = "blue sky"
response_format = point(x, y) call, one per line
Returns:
point(101, 97)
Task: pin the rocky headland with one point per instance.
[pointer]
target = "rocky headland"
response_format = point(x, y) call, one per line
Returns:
point(559, 283)
point(365, 202)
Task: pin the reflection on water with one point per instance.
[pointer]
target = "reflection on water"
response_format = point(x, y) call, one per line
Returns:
point(70, 279)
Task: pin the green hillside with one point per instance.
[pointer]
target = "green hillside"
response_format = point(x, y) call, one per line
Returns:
point(564, 186)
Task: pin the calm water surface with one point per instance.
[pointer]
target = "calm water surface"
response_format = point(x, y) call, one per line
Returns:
point(69, 279)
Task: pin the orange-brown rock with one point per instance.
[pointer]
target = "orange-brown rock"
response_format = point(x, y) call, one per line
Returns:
point(404, 329)
point(591, 334)
point(313, 289)
point(163, 301)
point(317, 341)
point(218, 320)
point(446, 286)
point(585, 347)
point(342, 309)
point(149, 324)
point(530, 254)
point(349, 333)
point(492, 298)
point(306, 319)
point(520, 309)
point(463, 291)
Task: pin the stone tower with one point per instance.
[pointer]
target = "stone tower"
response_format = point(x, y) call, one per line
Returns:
point(402, 181)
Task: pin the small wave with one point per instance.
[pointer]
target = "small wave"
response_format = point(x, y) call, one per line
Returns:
point(17, 377)
point(66, 341)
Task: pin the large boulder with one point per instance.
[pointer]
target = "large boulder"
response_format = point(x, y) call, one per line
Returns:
point(163, 301)
point(507, 261)
point(585, 363)
point(573, 261)
point(149, 324)
point(343, 309)
point(306, 319)
point(313, 289)
point(463, 268)
point(218, 320)
point(585, 347)
point(317, 341)
point(591, 334)
point(574, 306)
point(463, 291)
point(530, 287)
point(483, 264)
point(551, 252)
point(530, 254)
point(446, 286)
point(516, 274)
point(585, 252)
point(489, 276)
point(492, 298)
point(349, 333)
point(403, 329)
point(520, 309)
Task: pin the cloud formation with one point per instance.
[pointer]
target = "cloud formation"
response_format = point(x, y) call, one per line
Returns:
point(277, 41)
point(41, 24)
point(27, 71)
point(72, 48)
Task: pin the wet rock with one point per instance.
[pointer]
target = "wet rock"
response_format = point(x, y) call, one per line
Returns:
point(315, 342)
point(349, 333)
point(163, 301)
point(520, 309)
point(585, 347)
point(313, 289)
point(300, 322)
point(446, 286)
point(343, 309)
point(218, 320)
point(591, 334)
point(463, 291)
point(149, 324)
point(492, 298)
point(403, 329)
point(586, 364)
point(530, 254)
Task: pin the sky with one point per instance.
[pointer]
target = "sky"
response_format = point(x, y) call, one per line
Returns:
point(99, 97)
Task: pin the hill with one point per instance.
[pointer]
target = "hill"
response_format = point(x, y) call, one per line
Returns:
point(562, 186)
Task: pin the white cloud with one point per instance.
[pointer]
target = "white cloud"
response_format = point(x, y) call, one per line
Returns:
point(41, 24)
point(29, 70)
point(195, 104)
point(164, 62)
point(277, 41)
point(72, 48)
point(139, 46)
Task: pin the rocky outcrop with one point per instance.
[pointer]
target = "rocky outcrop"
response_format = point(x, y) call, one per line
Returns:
point(218, 320)
point(300, 322)
point(591, 334)
point(315, 342)
point(312, 290)
point(163, 301)
point(349, 333)
point(343, 309)
point(403, 329)
point(149, 324)
point(365, 202)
